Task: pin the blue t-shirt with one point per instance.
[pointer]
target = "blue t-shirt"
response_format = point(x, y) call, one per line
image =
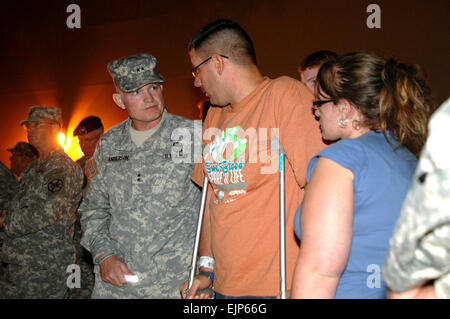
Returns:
point(382, 177)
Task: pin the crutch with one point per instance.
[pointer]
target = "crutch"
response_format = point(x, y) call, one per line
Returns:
point(197, 235)
point(275, 146)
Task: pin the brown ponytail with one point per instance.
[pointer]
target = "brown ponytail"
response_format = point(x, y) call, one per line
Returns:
point(391, 96)
point(405, 104)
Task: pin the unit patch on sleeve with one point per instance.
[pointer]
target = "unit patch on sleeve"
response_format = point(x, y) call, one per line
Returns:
point(55, 185)
point(89, 168)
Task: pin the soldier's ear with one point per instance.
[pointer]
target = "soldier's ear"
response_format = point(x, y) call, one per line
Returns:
point(117, 97)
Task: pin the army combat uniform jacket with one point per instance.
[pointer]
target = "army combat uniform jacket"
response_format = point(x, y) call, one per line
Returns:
point(83, 257)
point(38, 246)
point(8, 186)
point(420, 247)
point(142, 206)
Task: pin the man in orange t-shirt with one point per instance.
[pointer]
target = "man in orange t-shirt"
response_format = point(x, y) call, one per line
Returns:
point(240, 233)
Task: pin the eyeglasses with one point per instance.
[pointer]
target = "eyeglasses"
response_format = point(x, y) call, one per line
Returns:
point(319, 103)
point(38, 124)
point(195, 69)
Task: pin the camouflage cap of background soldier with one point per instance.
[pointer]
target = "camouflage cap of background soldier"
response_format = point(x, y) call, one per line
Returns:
point(26, 149)
point(133, 72)
point(87, 125)
point(43, 113)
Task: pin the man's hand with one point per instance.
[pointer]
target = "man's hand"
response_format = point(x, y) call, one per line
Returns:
point(200, 282)
point(113, 271)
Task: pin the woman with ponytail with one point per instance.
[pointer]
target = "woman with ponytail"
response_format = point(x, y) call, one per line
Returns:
point(377, 111)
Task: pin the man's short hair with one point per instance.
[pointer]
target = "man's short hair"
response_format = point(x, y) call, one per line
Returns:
point(227, 38)
point(316, 59)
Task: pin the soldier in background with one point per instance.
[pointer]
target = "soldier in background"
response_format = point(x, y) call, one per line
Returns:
point(139, 215)
point(310, 66)
point(38, 246)
point(22, 155)
point(418, 260)
point(88, 132)
point(8, 187)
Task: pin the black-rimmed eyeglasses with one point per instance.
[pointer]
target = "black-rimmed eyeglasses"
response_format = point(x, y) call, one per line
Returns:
point(319, 103)
point(195, 69)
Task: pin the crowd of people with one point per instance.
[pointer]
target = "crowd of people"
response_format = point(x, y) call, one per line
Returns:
point(366, 185)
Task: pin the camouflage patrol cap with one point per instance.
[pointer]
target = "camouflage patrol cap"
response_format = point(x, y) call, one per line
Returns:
point(26, 149)
point(43, 113)
point(133, 72)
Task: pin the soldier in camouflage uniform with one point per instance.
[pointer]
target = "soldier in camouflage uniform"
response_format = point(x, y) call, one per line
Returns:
point(38, 245)
point(88, 132)
point(420, 247)
point(22, 155)
point(139, 216)
point(8, 186)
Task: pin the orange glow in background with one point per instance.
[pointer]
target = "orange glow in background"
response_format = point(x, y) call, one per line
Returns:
point(89, 100)
point(70, 145)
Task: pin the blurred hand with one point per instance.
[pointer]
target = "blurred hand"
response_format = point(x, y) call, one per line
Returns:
point(113, 271)
point(200, 282)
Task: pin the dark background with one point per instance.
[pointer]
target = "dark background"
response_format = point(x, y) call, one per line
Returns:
point(43, 62)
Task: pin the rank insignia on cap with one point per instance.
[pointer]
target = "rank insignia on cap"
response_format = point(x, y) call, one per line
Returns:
point(89, 168)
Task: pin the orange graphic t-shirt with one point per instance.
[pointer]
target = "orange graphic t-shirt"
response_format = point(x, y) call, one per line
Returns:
point(240, 158)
